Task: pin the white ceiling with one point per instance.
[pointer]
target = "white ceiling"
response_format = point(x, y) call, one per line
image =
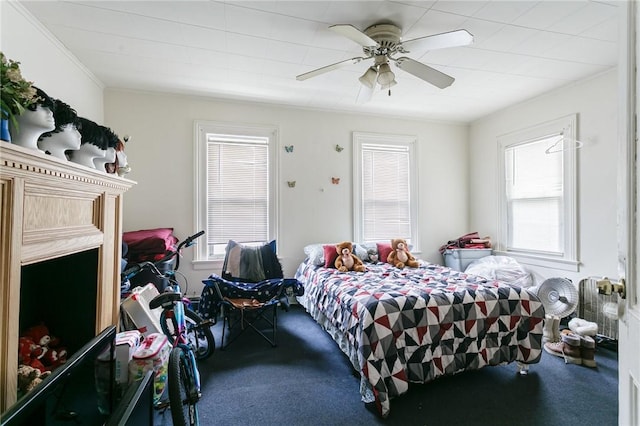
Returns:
point(252, 50)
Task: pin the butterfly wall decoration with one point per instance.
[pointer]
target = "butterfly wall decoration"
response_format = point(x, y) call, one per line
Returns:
point(291, 183)
point(335, 180)
point(288, 148)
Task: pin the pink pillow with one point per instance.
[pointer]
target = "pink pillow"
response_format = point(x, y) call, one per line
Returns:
point(330, 256)
point(148, 244)
point(383, 251)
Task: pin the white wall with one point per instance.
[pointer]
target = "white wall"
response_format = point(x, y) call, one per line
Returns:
point(161, 156)
point(457, 163)
point(47, 63)
point(595, 102)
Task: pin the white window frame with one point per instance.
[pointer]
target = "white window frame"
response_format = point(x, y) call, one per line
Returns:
point(201, 129)
point(568, 258)
point(363, 138)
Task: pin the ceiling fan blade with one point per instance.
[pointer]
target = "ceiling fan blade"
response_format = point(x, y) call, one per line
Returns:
point(425, 72)
point(439, 41)
point(328, 68)
point(354, 34)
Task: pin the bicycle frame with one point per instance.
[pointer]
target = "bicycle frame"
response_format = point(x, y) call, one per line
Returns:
point(176, 314)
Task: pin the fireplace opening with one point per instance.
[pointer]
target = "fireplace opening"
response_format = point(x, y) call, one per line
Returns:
point(61, 293)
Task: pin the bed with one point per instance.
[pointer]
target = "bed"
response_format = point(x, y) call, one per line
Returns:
point(413, 325)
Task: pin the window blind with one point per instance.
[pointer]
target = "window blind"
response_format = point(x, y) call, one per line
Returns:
point(237, 190)
point(385, 192)
point(534, 187)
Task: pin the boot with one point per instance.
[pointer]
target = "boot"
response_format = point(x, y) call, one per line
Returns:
point(588, 351)
point(548, 332)
point(556, 328)
point(568, 348)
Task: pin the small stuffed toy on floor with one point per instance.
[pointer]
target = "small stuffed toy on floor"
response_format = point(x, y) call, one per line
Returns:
point(346, 260)
point(400, 255)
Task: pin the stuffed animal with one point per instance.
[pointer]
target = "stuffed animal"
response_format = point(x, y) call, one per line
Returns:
point(372, 254)
point(346, 260)
point(32, 354)
point(30, 377)
point(38, 349)
point(39, 334)
point(59, 355)
point(54, 358)
point(26, 346)
point(400, 255)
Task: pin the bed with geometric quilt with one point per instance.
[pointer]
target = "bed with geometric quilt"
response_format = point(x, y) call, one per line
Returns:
point(413, 325)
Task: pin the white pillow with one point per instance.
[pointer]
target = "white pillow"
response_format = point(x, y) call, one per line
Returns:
point(360, 250)
point(315, 253)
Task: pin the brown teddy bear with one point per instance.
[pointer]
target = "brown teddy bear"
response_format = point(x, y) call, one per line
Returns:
point(400, 255)
point(346, 260)
point(30, 377)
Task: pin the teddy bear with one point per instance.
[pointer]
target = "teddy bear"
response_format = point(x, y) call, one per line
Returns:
point(346, 260)
point(39, 349)
point(39, 333)
point(56, 354)
point(400, 255)
point(372, 254)
point(53, 358)
point(26, 346)
point(30, 377)
point(31, 354)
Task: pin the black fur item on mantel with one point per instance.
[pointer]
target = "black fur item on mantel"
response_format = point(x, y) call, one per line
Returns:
point(307, 380)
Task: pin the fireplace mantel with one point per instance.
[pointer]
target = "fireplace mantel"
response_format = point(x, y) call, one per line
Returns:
point(51, 208)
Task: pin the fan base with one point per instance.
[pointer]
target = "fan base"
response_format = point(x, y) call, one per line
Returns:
point(388, 36)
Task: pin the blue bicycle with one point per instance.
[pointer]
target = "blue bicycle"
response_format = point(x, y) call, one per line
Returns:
point(190, 336)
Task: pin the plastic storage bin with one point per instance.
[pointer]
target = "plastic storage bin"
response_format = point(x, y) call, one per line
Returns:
point(136, 306)
point(459, 259)
point(151, 355)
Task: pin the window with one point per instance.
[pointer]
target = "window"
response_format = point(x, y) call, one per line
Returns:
point(385, 188)
point(537, 195)
point(235, 186)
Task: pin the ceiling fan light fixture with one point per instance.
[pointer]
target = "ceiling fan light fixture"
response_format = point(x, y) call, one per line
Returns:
point(369, 77)
point(385, 75)
point(388, 85)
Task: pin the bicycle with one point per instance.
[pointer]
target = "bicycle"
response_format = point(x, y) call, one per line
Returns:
point(198, 329)
point(183, 374)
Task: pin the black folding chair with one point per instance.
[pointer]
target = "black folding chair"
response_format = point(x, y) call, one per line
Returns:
point(249, 292)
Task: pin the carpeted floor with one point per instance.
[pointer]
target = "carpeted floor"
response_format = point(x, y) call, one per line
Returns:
point(307, 380)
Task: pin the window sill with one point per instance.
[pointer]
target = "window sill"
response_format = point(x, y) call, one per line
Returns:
point(211, 265)
point(546, 262)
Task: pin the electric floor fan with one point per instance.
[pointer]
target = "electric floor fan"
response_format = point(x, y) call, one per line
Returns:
point(558, 296)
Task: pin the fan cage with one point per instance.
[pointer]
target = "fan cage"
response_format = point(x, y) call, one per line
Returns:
point(552, 292)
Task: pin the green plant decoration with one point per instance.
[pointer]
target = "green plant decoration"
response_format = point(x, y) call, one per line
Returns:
point(17, 93)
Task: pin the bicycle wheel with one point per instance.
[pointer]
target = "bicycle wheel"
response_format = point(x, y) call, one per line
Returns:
point(183, 404)
point(199, 335)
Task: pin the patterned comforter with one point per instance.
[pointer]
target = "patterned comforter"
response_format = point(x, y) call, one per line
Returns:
point(417, 324)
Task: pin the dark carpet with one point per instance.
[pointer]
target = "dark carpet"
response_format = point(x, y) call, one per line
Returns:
point(307, 380)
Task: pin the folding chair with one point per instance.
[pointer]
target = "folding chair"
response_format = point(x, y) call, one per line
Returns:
point(249, 292)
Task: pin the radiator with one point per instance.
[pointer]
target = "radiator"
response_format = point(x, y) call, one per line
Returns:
point(592, 307)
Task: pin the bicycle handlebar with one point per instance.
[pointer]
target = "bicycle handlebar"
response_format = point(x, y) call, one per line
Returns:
point(138, 267)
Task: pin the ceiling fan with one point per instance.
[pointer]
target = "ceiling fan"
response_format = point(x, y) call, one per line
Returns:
point(382, 42)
